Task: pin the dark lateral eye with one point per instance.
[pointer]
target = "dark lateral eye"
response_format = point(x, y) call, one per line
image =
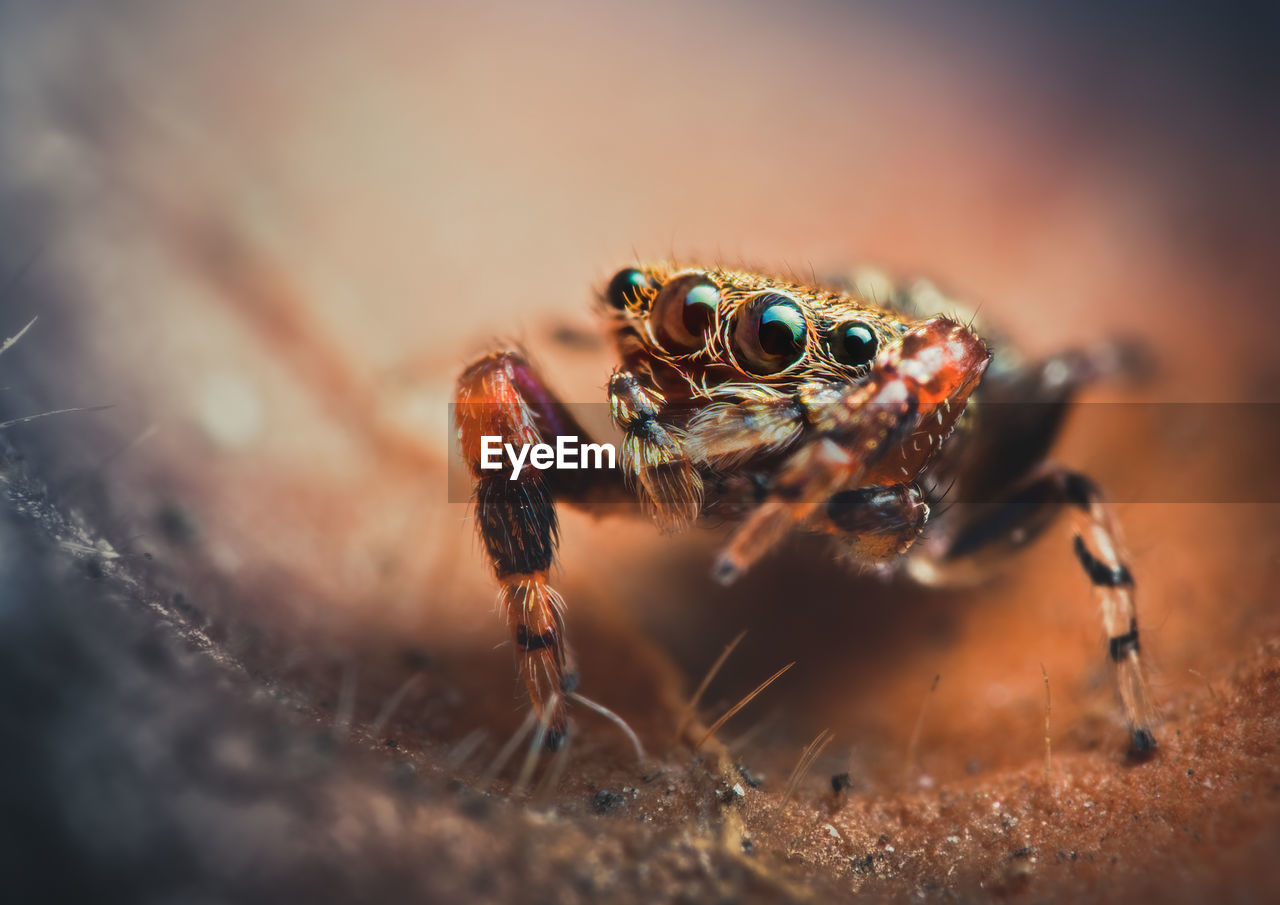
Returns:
point(771, 333)
point(684, 311)
point(854, 343)
point(624, 285)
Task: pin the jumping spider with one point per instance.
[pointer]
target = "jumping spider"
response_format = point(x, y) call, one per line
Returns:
point(779, 406)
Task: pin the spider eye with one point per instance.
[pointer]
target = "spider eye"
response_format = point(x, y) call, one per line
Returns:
point(771, 334)
point(684, 311)
point(854, 343)
point(623, 288)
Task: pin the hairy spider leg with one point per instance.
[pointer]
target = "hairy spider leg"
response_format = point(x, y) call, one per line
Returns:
point(653, 459)
point(502, 396)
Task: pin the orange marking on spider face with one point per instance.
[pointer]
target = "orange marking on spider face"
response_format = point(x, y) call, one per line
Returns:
point(940, 360)
point(941, 363)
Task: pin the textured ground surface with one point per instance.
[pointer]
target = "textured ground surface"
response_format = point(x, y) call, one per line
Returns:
point(247, 645)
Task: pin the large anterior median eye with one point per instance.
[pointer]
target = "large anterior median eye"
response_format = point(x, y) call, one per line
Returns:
point(684, 311)
point(771, 333)
point(854, 343)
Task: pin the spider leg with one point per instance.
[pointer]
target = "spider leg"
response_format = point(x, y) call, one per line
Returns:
point(986, 533)
point(810, 475)
point(502, 396)
point(653, 457)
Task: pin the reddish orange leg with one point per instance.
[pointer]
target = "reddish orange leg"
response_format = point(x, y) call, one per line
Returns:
point(501, 397)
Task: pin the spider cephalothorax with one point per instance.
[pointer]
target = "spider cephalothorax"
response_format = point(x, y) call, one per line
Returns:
point(745, 367)
point(779, 406)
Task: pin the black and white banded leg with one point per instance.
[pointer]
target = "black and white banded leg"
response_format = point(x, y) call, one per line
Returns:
point(1097, 546)
point(977, 536)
